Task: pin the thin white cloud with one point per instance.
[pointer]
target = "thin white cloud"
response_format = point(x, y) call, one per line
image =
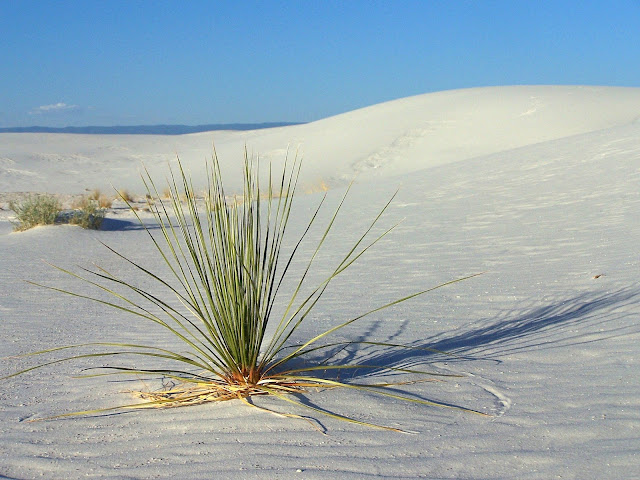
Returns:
point(53, 108)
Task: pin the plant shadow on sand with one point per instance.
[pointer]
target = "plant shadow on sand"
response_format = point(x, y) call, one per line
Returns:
point(581, 320)
point(115, 225)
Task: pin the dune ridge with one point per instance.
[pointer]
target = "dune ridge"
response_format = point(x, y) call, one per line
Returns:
point(390, 138)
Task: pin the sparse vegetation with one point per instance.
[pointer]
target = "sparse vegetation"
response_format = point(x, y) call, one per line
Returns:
point(102, 200)
point(126, 196)
point(87, 213)
point(316, 187)
point(35, 210)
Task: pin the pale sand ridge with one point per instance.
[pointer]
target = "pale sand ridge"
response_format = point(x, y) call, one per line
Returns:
point(395, 137)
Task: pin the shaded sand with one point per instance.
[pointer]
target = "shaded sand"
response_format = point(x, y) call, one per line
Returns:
point(537, 186)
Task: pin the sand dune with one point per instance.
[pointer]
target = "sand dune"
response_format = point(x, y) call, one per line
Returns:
point(537, 186)
point(391, 138)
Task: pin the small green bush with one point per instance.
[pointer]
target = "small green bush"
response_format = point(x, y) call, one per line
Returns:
point(35, 210)
point(87, 214)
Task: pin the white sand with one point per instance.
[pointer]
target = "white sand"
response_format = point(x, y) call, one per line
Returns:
point(537, 186)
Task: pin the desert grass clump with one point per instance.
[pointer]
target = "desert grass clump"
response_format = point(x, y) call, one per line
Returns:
point(87, 213)
point(126, 196)
point(226, 265)
point(35, 210)
point(317, 187)
point(103, 201)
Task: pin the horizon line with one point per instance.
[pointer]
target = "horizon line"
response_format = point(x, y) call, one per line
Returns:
point(153, 129)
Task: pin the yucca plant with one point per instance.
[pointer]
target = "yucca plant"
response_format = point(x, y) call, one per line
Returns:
point(226, 267)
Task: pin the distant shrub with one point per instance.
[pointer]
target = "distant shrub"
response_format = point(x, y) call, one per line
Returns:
point(316, 187)
point(35, 210)
point(103, 200)
point(126, 196)
point(87, 213)
point(95, 194)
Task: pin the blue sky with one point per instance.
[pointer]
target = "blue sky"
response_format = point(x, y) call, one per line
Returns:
point(193, 62)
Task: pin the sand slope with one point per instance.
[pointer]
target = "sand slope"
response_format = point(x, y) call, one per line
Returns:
point(395, 137)
point(548, 337)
